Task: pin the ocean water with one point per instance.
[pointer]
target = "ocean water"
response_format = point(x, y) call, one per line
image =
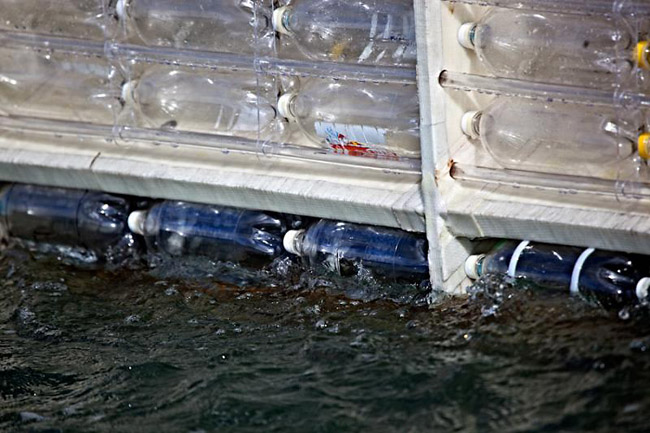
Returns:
point(86, 349)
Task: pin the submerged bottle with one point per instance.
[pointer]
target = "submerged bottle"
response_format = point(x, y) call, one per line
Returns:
point(532, 135)
point(359, 119)
point(83, 19)
point(227, 103)
point(227, 26)
point(613, 280)
point(95, 221)
point(343, 247)
point(220, 233)
point(582, 50)
point(56, 86)
point(378, 32)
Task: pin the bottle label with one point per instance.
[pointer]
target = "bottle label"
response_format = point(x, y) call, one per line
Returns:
point(355, 140)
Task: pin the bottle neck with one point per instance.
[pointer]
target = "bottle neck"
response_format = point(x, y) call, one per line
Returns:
point(286, 106)
point(281, 18)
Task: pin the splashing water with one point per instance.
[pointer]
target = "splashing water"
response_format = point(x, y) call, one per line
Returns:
point(149, 350)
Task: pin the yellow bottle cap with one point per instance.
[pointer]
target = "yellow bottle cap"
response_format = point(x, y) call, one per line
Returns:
point(643, 54)
point(644, 145)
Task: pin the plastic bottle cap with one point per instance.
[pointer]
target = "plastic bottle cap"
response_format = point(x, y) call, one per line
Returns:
point(284, 105)
point(120, 9)
point(466, 35)
point(471, 266)
point(642, 288)
point(127, 90)
point(467, 124)
point(644, 146)
point(289, 241)
point(136, 222)
point(278, 20)
point(642, 55)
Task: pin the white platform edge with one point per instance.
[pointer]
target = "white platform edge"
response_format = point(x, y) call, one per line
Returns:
point(368, 196)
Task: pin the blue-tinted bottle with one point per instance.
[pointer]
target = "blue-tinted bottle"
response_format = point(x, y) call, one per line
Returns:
point(220, 233)
point(343, 247)
point(91, 220)
point(611, 279)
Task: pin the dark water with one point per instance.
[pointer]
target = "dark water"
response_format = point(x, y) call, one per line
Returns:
point(99, 351)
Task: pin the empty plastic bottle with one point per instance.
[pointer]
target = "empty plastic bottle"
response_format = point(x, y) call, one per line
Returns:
point(95, 221)
point(359, 119)
point(573, 49)
point(531, 135)
point(613, 280)
point(227, 26)
point(228, 103)
point(83, 19)
point(56, 86)
point(343, 247)
point(378, 32)
point(220, 233)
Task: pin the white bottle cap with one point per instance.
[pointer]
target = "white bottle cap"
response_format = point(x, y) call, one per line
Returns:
point(136, 221)
point(284, 105)
point(278, 20)
point(471, 266)
point(127, 90)
point(120, 9)
point(642, 289)
point(290, 241)
point(467, 124)
point(465, 35)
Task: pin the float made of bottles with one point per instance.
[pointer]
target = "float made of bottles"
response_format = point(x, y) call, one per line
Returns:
point(373, 118)
point(603, 57)
point(102, 223)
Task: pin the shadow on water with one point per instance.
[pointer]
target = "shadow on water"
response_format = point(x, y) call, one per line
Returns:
point(94, 350)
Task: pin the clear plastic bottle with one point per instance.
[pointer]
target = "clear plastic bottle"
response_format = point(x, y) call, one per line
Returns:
point(359, 119)
point(92, 220)
point(227, 103)
point(83, 19)
point(227, 26)
point(220, 233)
point(549, 137)
point(56, 86)
point(583, 50)
point(380, 32)
point(611, 279)
point(343, 247)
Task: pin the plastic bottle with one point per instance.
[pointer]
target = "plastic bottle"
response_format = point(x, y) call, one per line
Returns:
point(359, 119)
point(220, 233)
point(83, 19)
point(548, 47)
point(343, 247)
point(91, 220)
point(611, 279)
point(227, 103)
point(56, 86)
point(227, 26)
point(378, 32)
point(532, 135)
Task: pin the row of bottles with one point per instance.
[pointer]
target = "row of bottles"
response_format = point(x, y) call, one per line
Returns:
point(343, 116)
point(100, 222)
point(376, 32)
point(612, 280)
